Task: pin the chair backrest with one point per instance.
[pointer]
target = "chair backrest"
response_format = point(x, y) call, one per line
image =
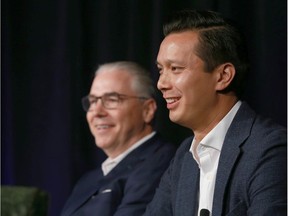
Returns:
point(23, 201)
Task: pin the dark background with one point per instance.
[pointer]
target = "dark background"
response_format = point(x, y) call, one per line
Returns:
point(50, 49)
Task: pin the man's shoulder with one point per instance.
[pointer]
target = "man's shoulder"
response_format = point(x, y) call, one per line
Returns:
point(159, 143)
point(252, 129)
point(258, 124)
point(185, 145)
point(183, 149)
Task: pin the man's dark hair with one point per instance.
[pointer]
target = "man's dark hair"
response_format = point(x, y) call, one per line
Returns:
point(219, 41)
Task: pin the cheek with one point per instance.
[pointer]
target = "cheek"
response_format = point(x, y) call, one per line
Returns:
point(130, 117)
point(89, 117)
point(183, 82)
point(180, 81)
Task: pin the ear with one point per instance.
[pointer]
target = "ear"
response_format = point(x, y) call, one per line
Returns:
point(225, 75)
point(149, 110)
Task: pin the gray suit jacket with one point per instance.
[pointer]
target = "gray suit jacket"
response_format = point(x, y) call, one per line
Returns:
point(251, 177)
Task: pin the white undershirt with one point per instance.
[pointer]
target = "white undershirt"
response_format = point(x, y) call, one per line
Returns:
point(110, 163)
point(207, 153)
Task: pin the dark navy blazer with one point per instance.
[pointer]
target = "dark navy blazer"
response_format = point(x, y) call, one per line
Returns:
point(251, 177)
point(125, 190)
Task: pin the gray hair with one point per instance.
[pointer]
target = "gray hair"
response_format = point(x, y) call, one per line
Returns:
point(142, 82)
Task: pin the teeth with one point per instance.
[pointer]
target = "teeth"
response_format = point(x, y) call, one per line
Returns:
point(102, 126)
point(171, 100)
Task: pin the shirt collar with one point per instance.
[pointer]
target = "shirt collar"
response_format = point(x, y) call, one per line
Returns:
point(110, 163)
point(215, 138)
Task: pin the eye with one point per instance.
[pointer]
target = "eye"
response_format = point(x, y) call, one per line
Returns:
point(176, 69)
point(112, 98)
point(160, 69)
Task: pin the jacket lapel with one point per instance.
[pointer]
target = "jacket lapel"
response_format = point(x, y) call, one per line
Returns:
point(136, 156)
point(85, 193)
point(187, 194)
point(236, 135)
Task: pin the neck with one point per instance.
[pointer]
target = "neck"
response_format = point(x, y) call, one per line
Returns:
point(218, 114)
point(126, 143)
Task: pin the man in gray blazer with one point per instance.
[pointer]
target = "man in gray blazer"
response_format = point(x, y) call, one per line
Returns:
point(236, 161)
point(120, 111)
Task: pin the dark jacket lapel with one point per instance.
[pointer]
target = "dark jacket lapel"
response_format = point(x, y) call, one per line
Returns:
point(236, 135)
point(85, 192)
point(136, 156)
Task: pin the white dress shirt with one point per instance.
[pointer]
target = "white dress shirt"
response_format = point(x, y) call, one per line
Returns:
point(110, 163)
point(207, 153)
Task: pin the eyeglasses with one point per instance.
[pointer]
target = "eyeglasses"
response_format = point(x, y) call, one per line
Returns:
point(109, 100)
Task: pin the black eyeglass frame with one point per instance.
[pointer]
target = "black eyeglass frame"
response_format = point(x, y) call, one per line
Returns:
point(118, 98)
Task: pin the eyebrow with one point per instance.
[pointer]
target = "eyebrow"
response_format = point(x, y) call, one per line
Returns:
point(169, 61)
point(108, 93)
point(111, 93)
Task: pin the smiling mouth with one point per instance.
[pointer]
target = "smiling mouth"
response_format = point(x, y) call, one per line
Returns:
point(102, 127)
point(172, 100)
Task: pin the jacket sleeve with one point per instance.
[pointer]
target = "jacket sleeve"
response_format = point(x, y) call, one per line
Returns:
point(267, 186)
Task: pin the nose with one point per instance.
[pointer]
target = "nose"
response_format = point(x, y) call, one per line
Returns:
point(164, 82)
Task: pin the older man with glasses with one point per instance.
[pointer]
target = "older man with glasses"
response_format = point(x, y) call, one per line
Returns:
point(120, 110)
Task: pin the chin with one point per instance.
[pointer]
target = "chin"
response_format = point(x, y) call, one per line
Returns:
point(174, 118)
point(101, 144)
point(178, 120)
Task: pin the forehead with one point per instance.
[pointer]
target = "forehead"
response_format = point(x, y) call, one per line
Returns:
point(178, 45)
point(112, 81)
